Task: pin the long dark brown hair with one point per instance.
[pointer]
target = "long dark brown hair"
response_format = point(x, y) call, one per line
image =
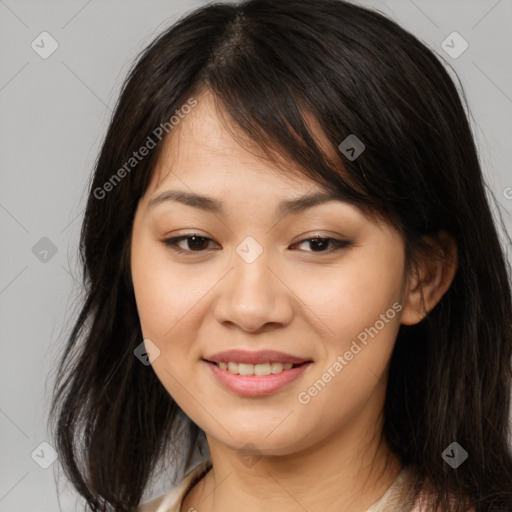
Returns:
point(268, 64)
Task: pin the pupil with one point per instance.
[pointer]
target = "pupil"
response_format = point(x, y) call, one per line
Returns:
point(320, 242)
point(193, 242)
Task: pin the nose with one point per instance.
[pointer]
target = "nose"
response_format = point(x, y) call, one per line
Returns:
point(254, 297)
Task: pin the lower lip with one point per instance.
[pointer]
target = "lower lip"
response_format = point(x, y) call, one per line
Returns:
point(256, 385)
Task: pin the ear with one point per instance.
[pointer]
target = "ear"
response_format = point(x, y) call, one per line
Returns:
point(431, 276)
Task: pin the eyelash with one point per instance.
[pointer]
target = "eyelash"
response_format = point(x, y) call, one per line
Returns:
point(172, 243)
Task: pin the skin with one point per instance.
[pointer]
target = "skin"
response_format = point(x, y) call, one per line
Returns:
point(323, 455)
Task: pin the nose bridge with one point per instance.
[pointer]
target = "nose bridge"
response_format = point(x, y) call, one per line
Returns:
point(252, 295)
point(252, 281)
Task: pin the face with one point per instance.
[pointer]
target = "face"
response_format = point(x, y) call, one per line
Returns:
point(253, 279)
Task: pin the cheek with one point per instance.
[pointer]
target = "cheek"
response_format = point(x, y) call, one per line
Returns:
point(164, 296)
point(167, 302)
point(352, 296)
point(360, 305)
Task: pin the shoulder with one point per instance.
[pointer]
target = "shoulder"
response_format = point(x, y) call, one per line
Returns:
point(405, 495)
point(171, 500)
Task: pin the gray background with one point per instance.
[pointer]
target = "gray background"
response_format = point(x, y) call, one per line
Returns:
point(53, 116)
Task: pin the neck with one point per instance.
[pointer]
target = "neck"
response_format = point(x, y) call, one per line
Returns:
point(347, 470)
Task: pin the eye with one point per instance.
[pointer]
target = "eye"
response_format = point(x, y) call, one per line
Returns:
point(197, 243)
point(320, 243)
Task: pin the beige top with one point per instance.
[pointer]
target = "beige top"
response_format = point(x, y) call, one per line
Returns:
point(394, 499)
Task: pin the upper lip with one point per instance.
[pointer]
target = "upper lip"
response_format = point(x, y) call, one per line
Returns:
point(255, 357)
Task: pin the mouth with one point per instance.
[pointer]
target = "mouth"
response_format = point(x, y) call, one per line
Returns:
point(257, 380)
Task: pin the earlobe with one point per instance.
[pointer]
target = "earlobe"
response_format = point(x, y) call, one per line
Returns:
point(433, 275)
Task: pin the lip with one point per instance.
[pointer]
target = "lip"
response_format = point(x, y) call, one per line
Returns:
point(256, 385)
point(255, 357)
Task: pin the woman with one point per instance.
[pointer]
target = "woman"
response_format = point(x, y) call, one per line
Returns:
point(289, 255)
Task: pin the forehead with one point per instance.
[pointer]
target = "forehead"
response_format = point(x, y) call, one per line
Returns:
point(206, 144)
point(206, 148)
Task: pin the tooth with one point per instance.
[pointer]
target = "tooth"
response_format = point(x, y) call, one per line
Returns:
point(276, 367)
point(245, 369)
point(262, 369)
point(233, 367)
point(254, 369)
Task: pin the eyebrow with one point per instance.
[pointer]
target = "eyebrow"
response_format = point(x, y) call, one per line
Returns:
point(210, 204)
